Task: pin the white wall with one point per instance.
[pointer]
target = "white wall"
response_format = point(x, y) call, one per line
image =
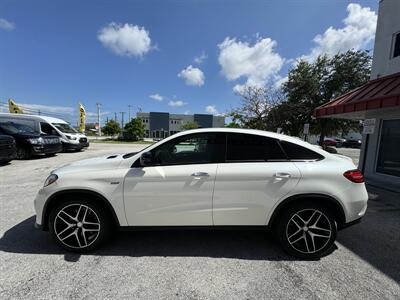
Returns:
point(388, 24)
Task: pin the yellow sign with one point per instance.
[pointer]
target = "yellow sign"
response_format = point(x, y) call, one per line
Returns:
point(82, 118)
point(13, 107)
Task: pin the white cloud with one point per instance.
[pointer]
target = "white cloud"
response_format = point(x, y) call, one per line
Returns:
point(157, 97)
point(200, 59)
point(126, 40)
point(211, 109)
point(279, 80)
point(35, 108)
point(358, 32)
point(176, 103)
point(6, 25)
point(192, 76)
point(258, 63)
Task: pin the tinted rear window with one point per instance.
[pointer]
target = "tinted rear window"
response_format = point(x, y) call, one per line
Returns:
point(248, 148)
point(296, 152)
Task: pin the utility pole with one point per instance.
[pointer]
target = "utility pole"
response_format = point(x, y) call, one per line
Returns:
point(98, 118)
point(115, 117)
point(129, 113)
point(122, 119)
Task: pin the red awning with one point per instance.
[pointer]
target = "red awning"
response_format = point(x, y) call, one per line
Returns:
point(379, 93)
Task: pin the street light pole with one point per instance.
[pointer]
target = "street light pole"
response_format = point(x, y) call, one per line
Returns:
point(129, 113)
point(122, 119)
point(98, 119)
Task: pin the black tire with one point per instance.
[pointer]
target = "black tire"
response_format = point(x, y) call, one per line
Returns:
point(76, 242)
point(304, 240)
point(23, 153)
point(4, 162)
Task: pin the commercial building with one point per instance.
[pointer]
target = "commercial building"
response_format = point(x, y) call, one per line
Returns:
point(377, 103)
point(163, 124)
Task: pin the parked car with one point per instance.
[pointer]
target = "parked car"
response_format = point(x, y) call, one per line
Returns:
point(237, 177)
point(70, 138)
point(330, 142)
point(29, 142)
point(339, 142)
point(352, 143)
point(8, 150)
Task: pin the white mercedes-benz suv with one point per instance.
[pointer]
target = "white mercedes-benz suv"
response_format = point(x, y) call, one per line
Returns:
point(207, 178)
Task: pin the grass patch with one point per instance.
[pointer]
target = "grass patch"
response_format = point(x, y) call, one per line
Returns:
point(109, 141)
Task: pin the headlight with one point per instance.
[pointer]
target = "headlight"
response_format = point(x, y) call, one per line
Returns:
point(36, 141)
point(51, 179)
point(71, 137)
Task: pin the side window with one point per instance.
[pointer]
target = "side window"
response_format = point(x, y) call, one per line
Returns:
point(29, 123)
point(190, 149)
point(252, 148)
point(296, 152)
point(46, 128)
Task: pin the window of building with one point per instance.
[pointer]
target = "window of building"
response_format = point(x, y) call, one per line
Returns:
point(396, 45)
point(190, 149)
point(296, 152)
point(389, 154)
point(252, 148)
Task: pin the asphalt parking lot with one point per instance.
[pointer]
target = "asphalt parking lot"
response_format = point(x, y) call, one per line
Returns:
point(188, 264)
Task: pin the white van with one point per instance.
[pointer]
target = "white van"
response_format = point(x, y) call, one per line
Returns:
point(70, 138)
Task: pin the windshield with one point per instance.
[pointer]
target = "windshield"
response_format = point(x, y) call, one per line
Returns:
point(65, 128)
point(13, 128)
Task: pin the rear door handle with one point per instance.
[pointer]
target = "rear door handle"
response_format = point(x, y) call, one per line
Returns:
point(200, 174)
point(282, 175)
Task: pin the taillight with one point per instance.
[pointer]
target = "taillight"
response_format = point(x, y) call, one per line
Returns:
point(354, 176)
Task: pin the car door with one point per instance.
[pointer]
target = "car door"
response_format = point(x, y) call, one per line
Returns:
point(176, 189)
point(255, 175)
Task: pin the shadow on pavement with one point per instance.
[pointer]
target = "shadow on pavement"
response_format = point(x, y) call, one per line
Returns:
point(377, 238)
point(240, 244)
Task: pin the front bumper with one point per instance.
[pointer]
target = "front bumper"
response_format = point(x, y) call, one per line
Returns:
point(39, 205)
point(46, 149)
point(8, 153)
point(77, 146)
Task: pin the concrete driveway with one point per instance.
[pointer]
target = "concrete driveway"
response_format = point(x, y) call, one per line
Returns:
point(188, 264)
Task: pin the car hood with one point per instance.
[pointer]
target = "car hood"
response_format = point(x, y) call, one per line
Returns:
point(96, 163)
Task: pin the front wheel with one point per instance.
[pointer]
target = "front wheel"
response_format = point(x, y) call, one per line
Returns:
point(79, 225)
point(23, 153)
point(306, 231)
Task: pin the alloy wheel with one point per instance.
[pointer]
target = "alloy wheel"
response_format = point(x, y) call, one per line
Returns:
point(308, 231)
point(77, 226)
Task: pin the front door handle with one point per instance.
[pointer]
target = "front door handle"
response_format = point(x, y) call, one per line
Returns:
point(282, 175)
point(200, 174)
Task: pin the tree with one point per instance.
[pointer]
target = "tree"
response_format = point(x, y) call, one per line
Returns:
point(111, 128)
point(190, 125)
point(255, 107)
point(311, 84)
point(134, 130)
point(232, 125)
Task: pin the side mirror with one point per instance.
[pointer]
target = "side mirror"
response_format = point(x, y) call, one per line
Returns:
point(146, 159)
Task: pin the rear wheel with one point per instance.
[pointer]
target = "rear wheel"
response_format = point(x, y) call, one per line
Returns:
point(79, 225)
point(306, 230)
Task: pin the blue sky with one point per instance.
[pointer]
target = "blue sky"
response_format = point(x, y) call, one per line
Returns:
point(56, 53)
